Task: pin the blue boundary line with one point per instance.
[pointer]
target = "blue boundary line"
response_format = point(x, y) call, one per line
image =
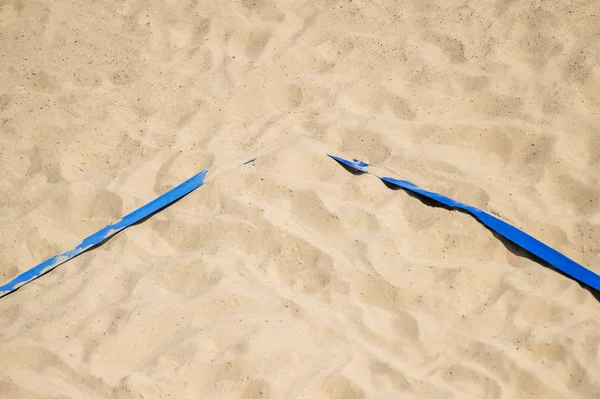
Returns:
point(511, 233)
point(107, 232)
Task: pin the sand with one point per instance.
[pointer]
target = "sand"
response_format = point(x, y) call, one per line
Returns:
point(290, 277)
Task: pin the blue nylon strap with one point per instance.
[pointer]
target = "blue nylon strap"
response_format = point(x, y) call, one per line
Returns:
point(105, 233)
point(513, 234)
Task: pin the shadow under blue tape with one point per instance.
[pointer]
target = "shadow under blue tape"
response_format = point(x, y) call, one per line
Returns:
point(554, 258)
point(107, 232)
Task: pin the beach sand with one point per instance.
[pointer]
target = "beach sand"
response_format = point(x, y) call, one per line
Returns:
point(290, 277)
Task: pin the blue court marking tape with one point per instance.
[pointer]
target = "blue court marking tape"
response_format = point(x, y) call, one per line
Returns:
point(513, 234)
point(104, 234)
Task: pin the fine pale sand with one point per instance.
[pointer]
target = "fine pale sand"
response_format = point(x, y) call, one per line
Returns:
point(290, 277)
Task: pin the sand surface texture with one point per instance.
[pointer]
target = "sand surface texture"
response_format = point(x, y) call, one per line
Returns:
point(290, 277)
